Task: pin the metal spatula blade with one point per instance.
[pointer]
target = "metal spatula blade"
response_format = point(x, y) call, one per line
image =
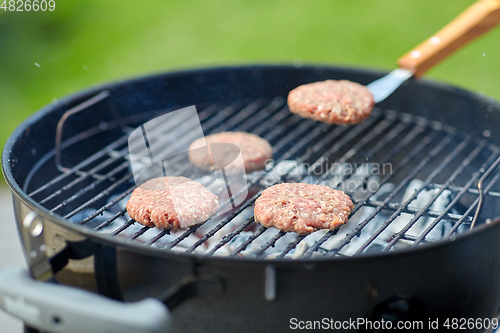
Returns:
point(385, 86)
point(470, 24)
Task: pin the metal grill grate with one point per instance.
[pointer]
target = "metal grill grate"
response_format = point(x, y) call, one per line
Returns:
point(426, 194)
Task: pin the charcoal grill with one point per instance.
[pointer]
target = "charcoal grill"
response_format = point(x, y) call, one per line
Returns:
point(69, 169)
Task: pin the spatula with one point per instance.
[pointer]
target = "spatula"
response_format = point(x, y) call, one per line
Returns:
point(470, 24)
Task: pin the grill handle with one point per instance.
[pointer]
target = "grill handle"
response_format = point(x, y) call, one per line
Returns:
point(56, 308)
point(482, 190)
point(60, 124)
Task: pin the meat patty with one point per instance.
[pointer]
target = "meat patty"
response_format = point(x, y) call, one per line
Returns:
point(254, 150)
point(171, 203)
point(334, 102)
point(302, 208)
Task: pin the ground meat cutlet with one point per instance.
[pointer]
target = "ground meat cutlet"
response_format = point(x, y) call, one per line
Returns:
point(334, 102)
point(254, 150)
point(171, 203)
point(302, 208)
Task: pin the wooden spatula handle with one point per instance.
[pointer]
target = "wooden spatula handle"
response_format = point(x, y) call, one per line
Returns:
point(473, 22)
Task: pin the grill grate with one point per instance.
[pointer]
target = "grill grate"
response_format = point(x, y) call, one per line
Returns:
point(427, 195)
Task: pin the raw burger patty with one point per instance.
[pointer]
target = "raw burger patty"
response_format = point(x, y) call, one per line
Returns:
point(334, 102)
point(302, 208)
point(171, 203)
point(254, 150)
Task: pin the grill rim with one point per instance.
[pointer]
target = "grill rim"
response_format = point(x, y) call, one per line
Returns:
point(105, 239)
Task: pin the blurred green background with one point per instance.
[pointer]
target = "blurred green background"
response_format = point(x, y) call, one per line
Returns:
point(84, 43)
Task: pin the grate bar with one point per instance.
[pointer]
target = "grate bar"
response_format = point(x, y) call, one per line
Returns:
point(125, 178)
point(139, 233)
point(221, 224)
point(248, 125)
point(112, 157)
point(195, 227)
point(474, 177)
point(387, 138)
point(123, 227)
point(93, 185)
point(270, 243)
point(106, 192)
point(291, 246)
point(407, 179)
point(106, 206)
point(92, 158)
point(99, 196)
point(249, 116)
point(353, 151)
point(244, 245)
point(422, 144)
point(391, 135)
point(110, 220)
point(214, 121)
point(235, 118)
point(469, 190)
point(471, 207)
point(345, 139)
point(411, 210)
point(227, 238)
point(88, 188)
point(366, 139)
point(101, 153)
point(278, 147)
point(328, 138)
point(412, 238)
point(204, 114)
point(458, 171)
point(291, 122)
point(157, 237)
point(78, 180)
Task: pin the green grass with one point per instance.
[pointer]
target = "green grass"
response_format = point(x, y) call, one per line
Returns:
point(85, 43)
